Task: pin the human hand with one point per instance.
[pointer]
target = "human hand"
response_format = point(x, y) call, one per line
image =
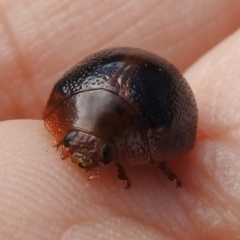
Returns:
point(43, 197)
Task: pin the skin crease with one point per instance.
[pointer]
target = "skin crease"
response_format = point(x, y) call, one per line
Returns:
point(43, 197)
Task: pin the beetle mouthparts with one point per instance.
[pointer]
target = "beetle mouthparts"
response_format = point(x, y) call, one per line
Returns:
point(81, 160)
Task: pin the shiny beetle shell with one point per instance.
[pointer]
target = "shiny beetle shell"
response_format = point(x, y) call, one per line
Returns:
point(122, 106)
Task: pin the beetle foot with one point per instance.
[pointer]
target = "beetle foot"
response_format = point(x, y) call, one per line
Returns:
point(93, 176)
point(122, 176)
point(171, 176)
point(65, 153)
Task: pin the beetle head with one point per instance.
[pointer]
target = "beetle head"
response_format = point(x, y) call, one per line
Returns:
point(88, 151)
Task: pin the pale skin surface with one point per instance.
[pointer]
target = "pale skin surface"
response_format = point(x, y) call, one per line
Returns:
point(42, 197)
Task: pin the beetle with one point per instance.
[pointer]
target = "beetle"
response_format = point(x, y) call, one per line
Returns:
point(122, 106)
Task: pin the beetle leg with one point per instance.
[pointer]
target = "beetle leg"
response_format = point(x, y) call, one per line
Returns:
point(171, 176)
point(57, 144)
point(65, 153)
point(122, 175)
point(93, 176)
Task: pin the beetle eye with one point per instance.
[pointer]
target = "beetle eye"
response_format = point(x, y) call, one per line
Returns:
point(107, 154)
point(68, 138)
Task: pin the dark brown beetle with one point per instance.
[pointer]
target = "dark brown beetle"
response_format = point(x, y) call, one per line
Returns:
point(122, 106)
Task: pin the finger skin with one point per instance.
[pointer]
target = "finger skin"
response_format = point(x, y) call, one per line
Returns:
point(40, 40)
point(43, 197)
point(52, 199)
